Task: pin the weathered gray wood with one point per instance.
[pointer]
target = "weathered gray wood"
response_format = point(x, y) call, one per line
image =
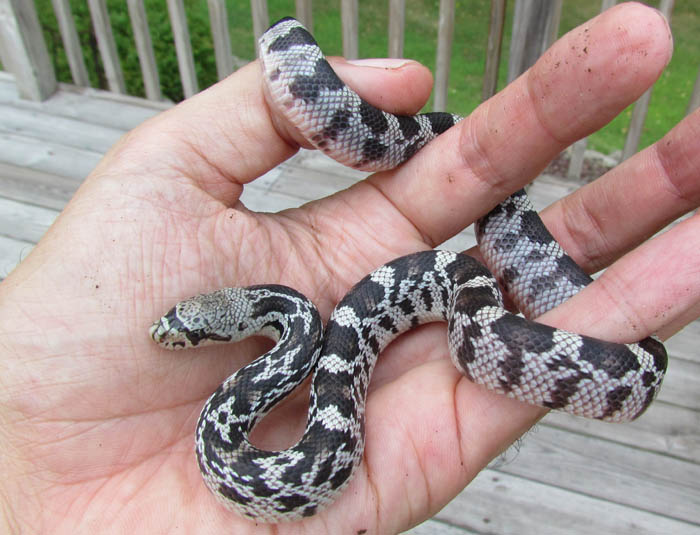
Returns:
point(496, 502)
point(397, 23)
point(634, 133)
point(107, 46)
point(685, 344)
point(612, 472)
point(49, 157)
point(534, 27)
point(183, 47)
point(493, 49)
point(274, 191)
point(24, 222)
point(350, 22)
point(36, 187)
point(261, 19)
point(546, 190)
point(71, 43)
point(144, 48)
point(47, 127)
point(23, 50)
point(578, 153)
point(435, 527)
point(309, 176)
point(694, 102)
point(665, 429)
point(218, 19)
point(89, 105)
point(682, 384)
point(639, 112)
point(12, 252)
point(553, 20)
point(444, 53)
point(304, 13)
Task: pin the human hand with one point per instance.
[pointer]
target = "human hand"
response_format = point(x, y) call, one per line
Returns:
point(98, 422)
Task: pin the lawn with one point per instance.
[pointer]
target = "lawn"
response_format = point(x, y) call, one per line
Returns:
point(668, 103)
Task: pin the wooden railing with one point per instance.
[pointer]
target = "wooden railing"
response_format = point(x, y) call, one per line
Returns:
point(24, 53)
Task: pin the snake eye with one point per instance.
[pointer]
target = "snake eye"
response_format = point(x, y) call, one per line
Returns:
point(242, 326)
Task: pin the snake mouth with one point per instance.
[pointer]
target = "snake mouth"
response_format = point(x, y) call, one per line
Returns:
point(171, 332)
point(157, 331)
point(166, 335)
point(160, 331)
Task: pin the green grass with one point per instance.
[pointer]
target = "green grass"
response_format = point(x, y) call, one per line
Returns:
point(668, 103)
point(671, 92)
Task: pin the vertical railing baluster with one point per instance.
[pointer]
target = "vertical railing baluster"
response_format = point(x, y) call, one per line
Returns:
point(304, 15)
point(183, 47)
point(261, 19)
point(218, 20)
point(71, 43)
point(144, 49)
point(493, 49)
point(639, 112)
point(578, 149)
point(23, 50)
point(107, 46)
point(446, 24)
point(535, 26)
point(350, 21)
point(397, 23)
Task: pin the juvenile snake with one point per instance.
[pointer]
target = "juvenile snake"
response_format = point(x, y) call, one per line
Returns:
point(505, 352)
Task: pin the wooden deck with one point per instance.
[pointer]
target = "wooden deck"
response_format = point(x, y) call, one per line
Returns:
point(568, 476)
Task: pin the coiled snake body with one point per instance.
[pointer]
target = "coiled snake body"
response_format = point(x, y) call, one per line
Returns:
point(505, 352)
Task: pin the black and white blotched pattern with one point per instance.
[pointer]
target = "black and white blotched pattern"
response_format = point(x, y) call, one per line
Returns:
point(506, 352)
point(300, 81)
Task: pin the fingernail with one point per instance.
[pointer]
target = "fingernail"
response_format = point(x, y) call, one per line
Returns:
point(382, 63)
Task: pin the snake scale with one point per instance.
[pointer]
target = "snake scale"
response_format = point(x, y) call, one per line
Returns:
point(503, 351)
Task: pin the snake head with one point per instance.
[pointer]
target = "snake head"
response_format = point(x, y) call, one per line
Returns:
point(194, 322)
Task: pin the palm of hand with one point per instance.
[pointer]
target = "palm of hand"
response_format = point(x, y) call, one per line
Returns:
point(123, 409)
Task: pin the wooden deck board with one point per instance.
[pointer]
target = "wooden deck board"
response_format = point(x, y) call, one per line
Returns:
point(496, 502)
point(36, 187)
point(12, 252)
point(71, 132)
point(620, 474)
point(49, 157)
point(86, 104)
point(665, 429)
point(686, 345)
point(570, 475)
point(437, 527)
point(24, 222)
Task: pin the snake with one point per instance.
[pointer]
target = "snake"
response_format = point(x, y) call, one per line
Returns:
point(505, 351)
